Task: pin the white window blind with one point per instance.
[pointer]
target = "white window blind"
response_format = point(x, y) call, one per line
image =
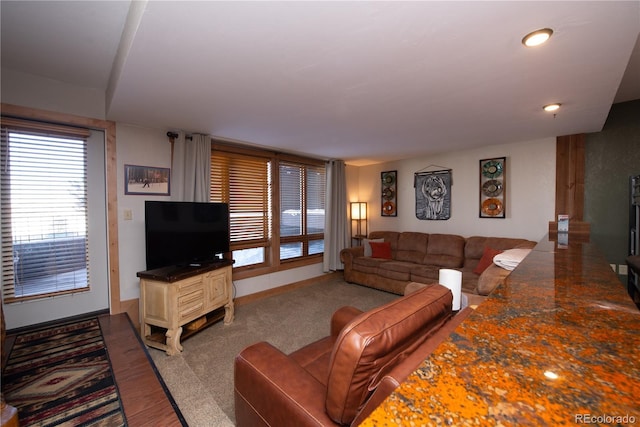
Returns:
point(44, 210)
point(302, 199)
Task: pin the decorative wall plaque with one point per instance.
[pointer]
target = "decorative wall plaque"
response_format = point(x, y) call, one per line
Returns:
point(433, 194)
point(389, 195)
point(493, 188)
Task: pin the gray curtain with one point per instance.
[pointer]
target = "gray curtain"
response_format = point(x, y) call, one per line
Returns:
point(191, 169)
point(336, 236)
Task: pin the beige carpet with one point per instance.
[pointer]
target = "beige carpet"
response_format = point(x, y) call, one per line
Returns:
point(201, 377)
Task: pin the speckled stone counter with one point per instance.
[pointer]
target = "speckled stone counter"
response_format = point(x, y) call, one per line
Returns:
point(557, 344)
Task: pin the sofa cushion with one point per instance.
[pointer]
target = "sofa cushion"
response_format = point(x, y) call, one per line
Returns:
point(412, 247)
point(368, 264)
point(425, 273)
point(445, 250)
point(314, 358)
point(380, 250)
point(388, 236)
point(475, 245)
point(374, 342)
point(366, 243)
point(399, 266)
point(398, 270)
point(486, 260)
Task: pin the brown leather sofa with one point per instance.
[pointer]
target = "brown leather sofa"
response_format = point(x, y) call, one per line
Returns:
point(418, 257)
point(342, 378)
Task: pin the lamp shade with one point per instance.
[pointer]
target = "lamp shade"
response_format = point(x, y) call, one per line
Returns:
point(452, 279)
point(359, 210)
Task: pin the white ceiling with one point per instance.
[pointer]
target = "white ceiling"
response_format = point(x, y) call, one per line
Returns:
point(362, 81)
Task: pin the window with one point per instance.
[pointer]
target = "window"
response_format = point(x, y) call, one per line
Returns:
point(44, 210)
point(244, 183)
point(262, 187)
point(302, 191)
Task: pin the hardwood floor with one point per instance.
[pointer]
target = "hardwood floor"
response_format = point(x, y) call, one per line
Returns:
point(142, 392)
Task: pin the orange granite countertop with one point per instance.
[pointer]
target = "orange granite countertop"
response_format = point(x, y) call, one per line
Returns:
point(557, 344)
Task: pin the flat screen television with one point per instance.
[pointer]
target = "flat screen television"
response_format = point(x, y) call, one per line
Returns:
point(185, 233)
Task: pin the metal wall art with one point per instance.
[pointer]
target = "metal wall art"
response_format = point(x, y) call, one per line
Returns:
point(389, 196)
point(493, 188)
point(433, 194)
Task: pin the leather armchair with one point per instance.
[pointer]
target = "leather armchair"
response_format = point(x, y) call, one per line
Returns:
point(342, 378)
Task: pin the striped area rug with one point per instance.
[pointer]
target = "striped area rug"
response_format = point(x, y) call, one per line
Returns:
point(62, 376)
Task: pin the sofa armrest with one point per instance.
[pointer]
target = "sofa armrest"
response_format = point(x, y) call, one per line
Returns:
point(341, 317)
point(413, 286)
point(526, 245)
point(490, 279)
point(271, 389)
point(348, 254)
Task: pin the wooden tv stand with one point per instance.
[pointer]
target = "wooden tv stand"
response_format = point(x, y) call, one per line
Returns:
point(190, 296)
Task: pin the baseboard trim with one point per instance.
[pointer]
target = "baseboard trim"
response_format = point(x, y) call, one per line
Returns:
point(29, 328)
point(132, 308)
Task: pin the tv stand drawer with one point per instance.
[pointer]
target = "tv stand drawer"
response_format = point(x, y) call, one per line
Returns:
point(191, 312)
point(190, 285)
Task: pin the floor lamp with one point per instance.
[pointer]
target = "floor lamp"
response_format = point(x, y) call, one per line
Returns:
point(358, 221)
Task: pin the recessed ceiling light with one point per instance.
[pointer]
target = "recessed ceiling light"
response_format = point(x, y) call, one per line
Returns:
point(537, 37)
point(551, 107)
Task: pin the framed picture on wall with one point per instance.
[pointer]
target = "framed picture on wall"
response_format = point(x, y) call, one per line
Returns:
point(433, 194)
point(147, 180)
point(389, 193)
point(493, 183)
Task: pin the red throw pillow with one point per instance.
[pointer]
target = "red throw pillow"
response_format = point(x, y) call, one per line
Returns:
point(380, 250)
point(486, 260)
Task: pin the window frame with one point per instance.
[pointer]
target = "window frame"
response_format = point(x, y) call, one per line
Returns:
point(47, 130)
point(251, 165)
point(272, 261)
point(108, 128)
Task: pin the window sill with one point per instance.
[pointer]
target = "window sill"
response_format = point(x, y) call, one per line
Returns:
point(287, 265)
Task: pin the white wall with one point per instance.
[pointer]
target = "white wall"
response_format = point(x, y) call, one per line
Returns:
point(530, 203)
point(142, 147)
point(353, 185)
point(273, 280)
point(150, 147)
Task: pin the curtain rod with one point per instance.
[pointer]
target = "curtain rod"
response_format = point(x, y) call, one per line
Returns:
point(173, 135)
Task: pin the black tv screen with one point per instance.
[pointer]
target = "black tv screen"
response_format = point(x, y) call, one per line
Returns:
point(185, 233)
